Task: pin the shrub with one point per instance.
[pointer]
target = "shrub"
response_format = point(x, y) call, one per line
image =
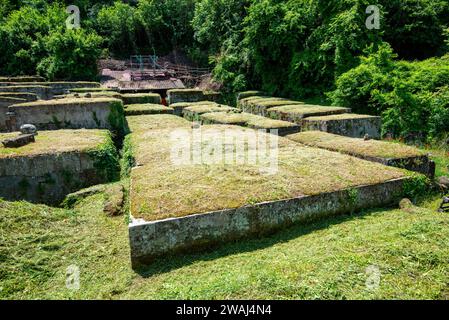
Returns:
point(71, 55)
point(118, 24)
point(412, 97)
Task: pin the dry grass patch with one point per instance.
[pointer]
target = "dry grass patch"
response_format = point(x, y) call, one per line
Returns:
point(295, 113)
point(56, 142)
point(140, 98)
point(149, 108)
point(245, 119)
point(161, 189)
point(156, 122)
point(205, 108)
point(226, 118)
point(67, 101)
point(353, 146)
point(265, 123)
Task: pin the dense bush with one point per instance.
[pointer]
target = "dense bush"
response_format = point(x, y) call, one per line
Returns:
point(415, 28)
point(71, 55)
point(412, 97)
point(35, 40)
point(298, 48)
point(118, 24)
point(167, 23)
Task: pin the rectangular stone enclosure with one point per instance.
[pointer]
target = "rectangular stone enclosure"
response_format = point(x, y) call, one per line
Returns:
point(75, 113)
point(185, 95)
point(58, 163)
point(149, 240)
point(181, 205)
point(350, 125)
point(386, 153)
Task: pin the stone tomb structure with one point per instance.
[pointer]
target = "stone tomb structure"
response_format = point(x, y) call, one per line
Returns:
point(180, 206)
point(56, 164)
point(387, 153)
point(71, 113)
point(330, 119)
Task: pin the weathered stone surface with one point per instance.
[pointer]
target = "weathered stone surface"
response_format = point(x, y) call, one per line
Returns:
point(251, 93)
point(296, 113)
point(149, 240)
point(28, 129)
point(444, 205)
point(19, 95)
point(443, 182)
point(66, 113)
point(212, 96)
point(58, 163)
point(41, 91)
point(19, 141)
point(349, 125)
point(185, 95)
point(142, 109)
point(46, 90)
point(141, 98)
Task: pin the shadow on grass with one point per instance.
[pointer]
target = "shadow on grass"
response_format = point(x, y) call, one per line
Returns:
point(172, 262)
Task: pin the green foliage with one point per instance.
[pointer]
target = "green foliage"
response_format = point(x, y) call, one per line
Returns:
point(412, 97)
point(106, 160)
point(415, 28)
point(35, 41)
point(417, 185)
point(117, 119)
point(128, 161)
point(71, 55)
point(166, 23)
point(298, 48)
point(118, 24)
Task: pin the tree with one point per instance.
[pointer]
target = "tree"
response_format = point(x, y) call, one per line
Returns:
point(71, 55)
point(118, 24)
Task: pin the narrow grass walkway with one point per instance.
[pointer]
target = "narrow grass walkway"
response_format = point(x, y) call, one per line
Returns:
point(325, 260)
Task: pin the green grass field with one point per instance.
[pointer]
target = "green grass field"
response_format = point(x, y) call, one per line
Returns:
point(324, 260)
point(330, 259)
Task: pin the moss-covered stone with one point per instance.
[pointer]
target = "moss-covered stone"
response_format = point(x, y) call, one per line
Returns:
point(141, 109)
point(20, 95)
point(250, 93)
point(94, 94)
point(295, 113)
point(87, 90)
point(213, 187)
point(72, 113)
point(58, 163)
point(387, 153)
point(212, 96)
point(185, 95)
point(194, 112)
point(141, 98)
point(154, 122)
point(347, 124)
